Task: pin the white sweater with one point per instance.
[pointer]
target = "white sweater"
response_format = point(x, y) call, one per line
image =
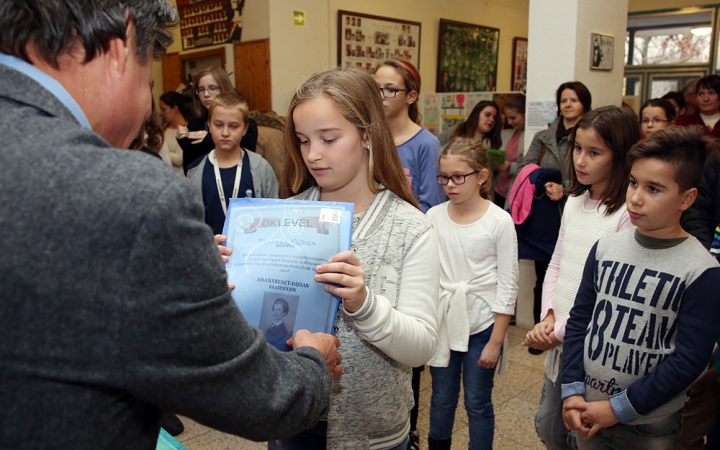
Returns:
point(478, 276)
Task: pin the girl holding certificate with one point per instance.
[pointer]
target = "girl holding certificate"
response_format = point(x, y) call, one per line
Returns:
point(341, 149)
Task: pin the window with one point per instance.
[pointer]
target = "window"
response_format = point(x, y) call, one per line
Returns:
point(669, 39)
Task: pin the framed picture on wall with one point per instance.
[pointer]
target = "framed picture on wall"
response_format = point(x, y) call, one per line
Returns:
point(210, 22)
point(467, 57)
point(518, 80)
point(365, 41)
point(601, 51)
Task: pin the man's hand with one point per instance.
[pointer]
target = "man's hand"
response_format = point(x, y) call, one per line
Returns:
point(326, 344)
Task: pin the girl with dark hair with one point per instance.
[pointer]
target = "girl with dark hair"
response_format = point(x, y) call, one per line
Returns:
point(656, 114)
point(598, 179)
point(173, 110)
point(419, 150)
point(537, 235)
point(482, 125)
point(513, 144)
point(707, 114)
point(195, 139)
point(340, 149)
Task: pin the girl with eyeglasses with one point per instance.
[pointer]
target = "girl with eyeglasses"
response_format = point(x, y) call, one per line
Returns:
point(656, 114)
point(478, 288)
point(399, 83)
point(419, 150)
point(195, 139)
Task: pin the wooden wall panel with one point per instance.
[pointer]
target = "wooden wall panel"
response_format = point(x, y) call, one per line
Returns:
point(172, 72)
point(252, 73)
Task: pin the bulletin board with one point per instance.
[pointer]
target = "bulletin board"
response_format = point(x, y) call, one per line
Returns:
point(210, 22)
point(365, 41)
point(467, 57)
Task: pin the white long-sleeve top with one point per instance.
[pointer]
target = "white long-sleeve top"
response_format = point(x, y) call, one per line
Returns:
point(478, 275)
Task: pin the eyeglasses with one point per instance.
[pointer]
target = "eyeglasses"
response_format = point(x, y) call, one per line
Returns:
point(456, 179)
point(211, 89)
point(654, 121)
point(391, 92)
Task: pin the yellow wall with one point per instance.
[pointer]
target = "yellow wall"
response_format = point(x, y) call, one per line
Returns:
point(298, 52)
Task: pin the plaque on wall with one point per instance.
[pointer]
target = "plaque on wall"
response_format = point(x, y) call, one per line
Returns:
point(210, 22)
point(365, 41)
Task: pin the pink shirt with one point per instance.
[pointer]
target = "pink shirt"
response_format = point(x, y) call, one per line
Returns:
point(554, 267)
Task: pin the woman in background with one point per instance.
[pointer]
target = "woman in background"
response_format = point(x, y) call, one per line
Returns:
point(173, 110)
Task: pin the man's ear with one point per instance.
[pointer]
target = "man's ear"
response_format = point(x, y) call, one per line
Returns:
point(119, 51)
point(689, 197)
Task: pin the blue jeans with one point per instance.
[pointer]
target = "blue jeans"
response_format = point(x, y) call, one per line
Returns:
point(661, 435)
point(549, 421)
point(478, 384)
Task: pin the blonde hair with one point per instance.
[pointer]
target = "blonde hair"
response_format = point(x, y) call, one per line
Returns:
point(474, 153)
point(231, 100)
point(357, 98)
point(223, 82)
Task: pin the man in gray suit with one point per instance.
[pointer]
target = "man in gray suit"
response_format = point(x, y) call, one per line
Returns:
point(114, 302)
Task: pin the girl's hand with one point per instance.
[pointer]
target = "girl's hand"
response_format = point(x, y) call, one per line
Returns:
point(224, 251)
point(182, 132)
point(345, 271)
point(554, 191)
point(198, 136)
point(540, 334)
point(490, 355)
point(503, 167)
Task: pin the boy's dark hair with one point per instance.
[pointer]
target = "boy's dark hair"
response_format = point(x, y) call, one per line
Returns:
point(619, 129)
point(660, 103)
point(681, 147)
point(582, 92)
point(677, 97)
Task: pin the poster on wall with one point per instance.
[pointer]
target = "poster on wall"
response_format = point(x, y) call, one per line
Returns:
point(365, 41)
point(519, 68)
point(444, 110)
point(467, 57)
point(210, 22)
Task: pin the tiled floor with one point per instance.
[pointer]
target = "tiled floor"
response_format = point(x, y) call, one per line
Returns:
point(516, 396)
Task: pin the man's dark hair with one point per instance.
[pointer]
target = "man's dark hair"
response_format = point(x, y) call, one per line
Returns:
point(282, 302)
point(684, 148)
point(55, 27)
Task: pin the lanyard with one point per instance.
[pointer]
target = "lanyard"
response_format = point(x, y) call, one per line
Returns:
point(221, 192)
